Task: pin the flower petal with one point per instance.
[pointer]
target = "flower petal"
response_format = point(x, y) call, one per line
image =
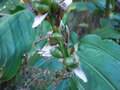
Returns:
point(65, 4)
point(38, 20)
point(79, 72)
point(45, 51)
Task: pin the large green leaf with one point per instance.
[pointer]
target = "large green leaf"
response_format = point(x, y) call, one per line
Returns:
point(103, 3)
point(107, 32)
point(100, 60)
point(83, 6)
point(107, 29)
point(16, 38)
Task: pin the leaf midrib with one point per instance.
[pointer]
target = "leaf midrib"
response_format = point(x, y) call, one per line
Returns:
point(102, 49)
point(92, 67)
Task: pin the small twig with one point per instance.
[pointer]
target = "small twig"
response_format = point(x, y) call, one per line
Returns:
point(42, 39)
point(35, 43)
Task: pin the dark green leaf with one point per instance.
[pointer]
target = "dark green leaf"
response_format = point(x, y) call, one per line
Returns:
point(112, 2)
point(17, 9)
point(107, 32)
point(44, 29)
point(100, 60)
point(82, 6)
point(16, 38)
point(73, 37)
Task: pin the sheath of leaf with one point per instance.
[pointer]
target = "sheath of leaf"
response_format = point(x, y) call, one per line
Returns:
point(55, 52)
point(57, 36)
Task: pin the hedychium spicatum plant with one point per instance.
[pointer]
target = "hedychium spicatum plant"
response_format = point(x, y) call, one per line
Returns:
point(58, 38)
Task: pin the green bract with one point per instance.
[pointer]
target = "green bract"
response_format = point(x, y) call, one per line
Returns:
point(45, 2)
point(41, 8)
point(56, 52)
point(57, 36)
point(70, 62)
point(54, 7)
point(52, 41)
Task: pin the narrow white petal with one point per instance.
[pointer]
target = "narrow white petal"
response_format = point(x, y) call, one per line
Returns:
point(79, 72)
point(68, 2)
point(38, 20)
point(65, 4)
point(45, 51)
point(61, 60)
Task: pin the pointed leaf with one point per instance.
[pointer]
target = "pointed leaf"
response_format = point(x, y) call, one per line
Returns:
point(16, 38)
point(100, 60)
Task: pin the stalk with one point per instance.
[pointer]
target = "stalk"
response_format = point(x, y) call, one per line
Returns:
point(62, 47)
point(107, 9)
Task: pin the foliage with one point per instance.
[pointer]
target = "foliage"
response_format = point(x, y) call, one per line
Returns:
point(26, 50)
point(16, 39)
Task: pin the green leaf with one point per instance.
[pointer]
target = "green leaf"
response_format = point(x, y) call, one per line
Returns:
point(34, 58)
point(44, 29)
point(16, 38)
point(112, 2)
point(2, 3)
point(107, 29)
point(17, 8)
point(107, 32)
point(103, 3)
point(82, 6)
point(51, 64)
point(105, 22)
point(100, 60)
point(64, 19)
point(73, 37)
point(62, 85)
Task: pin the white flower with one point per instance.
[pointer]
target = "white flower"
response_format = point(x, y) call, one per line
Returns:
point(79, 72)
point(61, 60)
point(45, 51)
point(65, 4)
point(38, 20)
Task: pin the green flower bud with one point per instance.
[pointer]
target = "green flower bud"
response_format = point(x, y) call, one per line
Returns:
point(56, 52)
point(57, 36)
point(41, 8)
point(45, 2)
point(70, 62)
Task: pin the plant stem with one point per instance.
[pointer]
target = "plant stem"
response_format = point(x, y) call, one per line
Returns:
point(64, 51)
point(107, 9)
